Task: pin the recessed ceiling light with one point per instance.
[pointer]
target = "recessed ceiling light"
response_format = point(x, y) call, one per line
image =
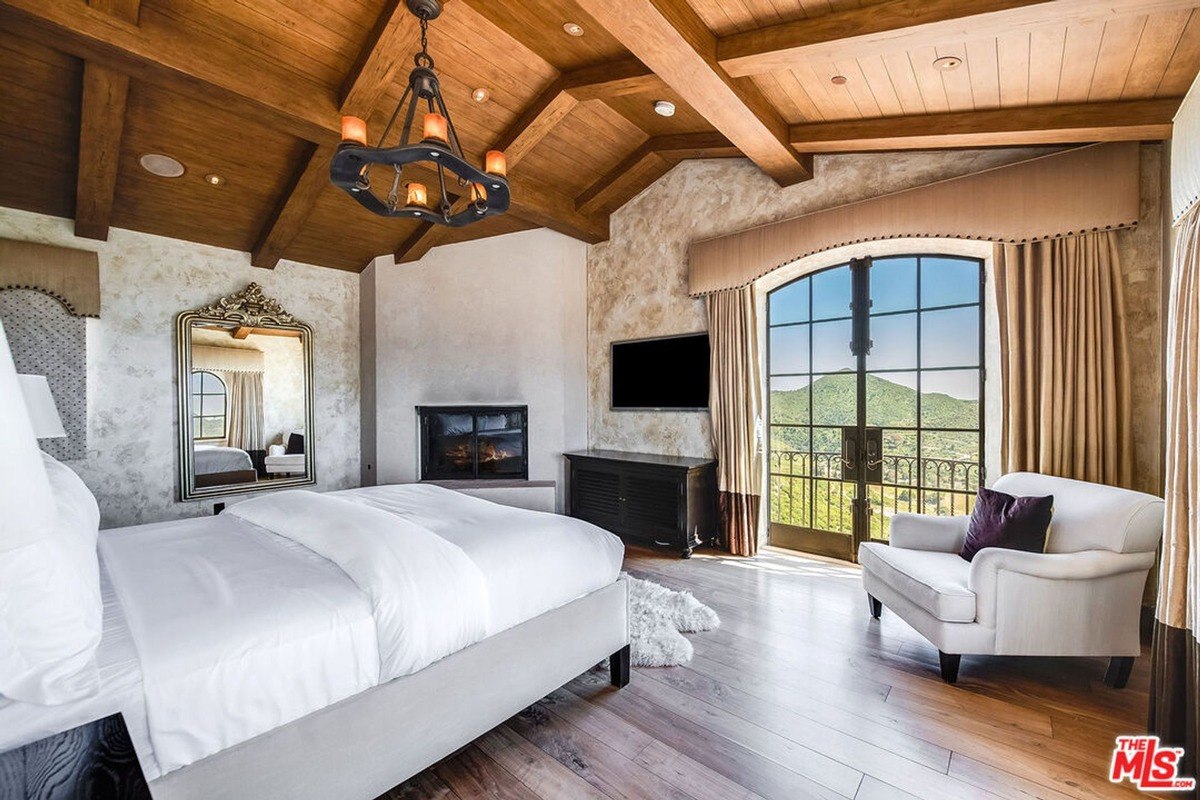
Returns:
point(161, 165)
point(664, 108)
point(838, 80)
point(573, 28)
point(947, 63)
point(214, 179)
point(480, 95)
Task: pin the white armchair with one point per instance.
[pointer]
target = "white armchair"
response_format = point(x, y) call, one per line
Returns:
point(1082, 597)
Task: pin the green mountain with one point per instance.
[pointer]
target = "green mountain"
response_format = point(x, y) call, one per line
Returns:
point(888, 405)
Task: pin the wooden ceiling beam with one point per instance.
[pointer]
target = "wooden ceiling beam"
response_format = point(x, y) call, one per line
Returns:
point(288, 103)
point(101, 124)
point(671, 39)
point(653, 159)
point(373, 70)
point(611, 79)
point(902, 25)
point(1131, 120)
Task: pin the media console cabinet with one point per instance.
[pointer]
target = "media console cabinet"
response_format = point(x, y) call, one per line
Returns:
point(668, 501)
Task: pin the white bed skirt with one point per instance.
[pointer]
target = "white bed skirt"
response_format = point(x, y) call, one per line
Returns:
point(363, 746)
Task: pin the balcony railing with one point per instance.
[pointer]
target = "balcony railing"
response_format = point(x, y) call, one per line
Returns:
point(807, 490)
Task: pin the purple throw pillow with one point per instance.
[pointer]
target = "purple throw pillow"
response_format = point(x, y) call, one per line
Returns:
point(1002, 520)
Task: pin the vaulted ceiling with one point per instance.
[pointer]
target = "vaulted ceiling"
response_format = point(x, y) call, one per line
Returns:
point(252, 90)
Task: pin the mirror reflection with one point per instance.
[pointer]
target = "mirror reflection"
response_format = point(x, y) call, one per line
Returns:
point(245, 407)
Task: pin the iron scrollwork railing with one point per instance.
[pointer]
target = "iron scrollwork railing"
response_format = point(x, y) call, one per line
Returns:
point(925, 485)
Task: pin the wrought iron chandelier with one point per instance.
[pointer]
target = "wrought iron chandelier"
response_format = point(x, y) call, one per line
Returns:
point(483, 192)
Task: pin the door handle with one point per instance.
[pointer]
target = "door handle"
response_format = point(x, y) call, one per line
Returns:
point(873, 459)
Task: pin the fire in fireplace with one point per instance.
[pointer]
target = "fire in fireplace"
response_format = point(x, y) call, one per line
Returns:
point(474, 442)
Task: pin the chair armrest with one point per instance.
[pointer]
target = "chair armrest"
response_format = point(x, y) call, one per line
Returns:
point(1085, 565)
point(928, 532)
point(276, 450)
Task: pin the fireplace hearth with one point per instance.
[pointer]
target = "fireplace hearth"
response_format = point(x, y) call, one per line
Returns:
point(474, 442)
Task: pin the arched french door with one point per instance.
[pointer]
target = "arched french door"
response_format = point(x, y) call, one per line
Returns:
point(875, 393)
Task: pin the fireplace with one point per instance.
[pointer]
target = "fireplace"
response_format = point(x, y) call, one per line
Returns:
point(474, 442)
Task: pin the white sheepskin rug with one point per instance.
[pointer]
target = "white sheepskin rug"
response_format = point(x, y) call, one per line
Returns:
point(658, 618)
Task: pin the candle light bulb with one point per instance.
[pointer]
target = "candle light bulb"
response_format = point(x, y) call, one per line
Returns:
point(495, 163)
point(478, 193)
point(417, 195)
point(436, 128)
point(354, 129)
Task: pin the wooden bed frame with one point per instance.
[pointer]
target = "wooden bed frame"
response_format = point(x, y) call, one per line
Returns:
point(375, 740)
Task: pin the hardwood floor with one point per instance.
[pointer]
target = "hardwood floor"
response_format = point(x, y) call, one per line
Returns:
point(800, 694)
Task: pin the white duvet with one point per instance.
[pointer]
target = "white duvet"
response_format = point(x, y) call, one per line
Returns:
point(290, 602)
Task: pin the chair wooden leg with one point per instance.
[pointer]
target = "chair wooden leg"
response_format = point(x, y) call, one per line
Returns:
point(1119, 668)
point(876, 606)
point(949, 666)
point(618, 667)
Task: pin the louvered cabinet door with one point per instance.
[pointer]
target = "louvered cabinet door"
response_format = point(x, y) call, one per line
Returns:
point(596, 496)
point(651, 506)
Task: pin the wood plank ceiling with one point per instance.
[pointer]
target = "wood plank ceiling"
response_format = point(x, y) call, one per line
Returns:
point(252, 90)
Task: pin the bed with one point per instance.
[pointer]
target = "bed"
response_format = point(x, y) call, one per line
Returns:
point(283, 651)
point(217, 465)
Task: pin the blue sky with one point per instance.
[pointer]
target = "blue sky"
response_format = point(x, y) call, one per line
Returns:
point(949, 336)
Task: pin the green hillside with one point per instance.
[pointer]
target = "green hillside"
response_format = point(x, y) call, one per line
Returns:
point(888, 405)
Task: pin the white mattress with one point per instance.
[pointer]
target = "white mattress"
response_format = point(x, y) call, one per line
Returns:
point(211, 458)
point(120, 691)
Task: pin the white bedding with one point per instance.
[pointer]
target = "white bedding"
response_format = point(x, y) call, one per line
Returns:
point(120, 691)
point(239, 630)
point(532, 561)
point(211, 458)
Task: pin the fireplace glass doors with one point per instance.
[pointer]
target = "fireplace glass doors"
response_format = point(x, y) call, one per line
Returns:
point(474, 442)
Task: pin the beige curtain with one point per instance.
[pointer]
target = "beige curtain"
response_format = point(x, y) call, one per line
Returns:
point(735, 401)
point(1065, 370)
point(245, 410)
point(1175, 677)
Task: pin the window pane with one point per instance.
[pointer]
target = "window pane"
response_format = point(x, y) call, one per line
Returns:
point(789, 401)
point(214, 405)
point(212, 384)
point(949, 281)
point(790, 303)
point(789, 349)
point(212, 427)
point(790, 451)
point(833, 506)
point(892, 400)
point(831, 346)
point(893, 284)
point(893, 342)
point(950, 460)
point(950, 338)
point(835, 399)
point(826, 448)
point(950, 399)
point(900, 460)
point(790, 501)
point(197, 379)
point(831, 293)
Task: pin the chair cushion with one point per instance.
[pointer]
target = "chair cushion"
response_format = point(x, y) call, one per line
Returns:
point(937, 582)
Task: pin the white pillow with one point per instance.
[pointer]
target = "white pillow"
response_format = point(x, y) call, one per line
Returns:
point(51, 614)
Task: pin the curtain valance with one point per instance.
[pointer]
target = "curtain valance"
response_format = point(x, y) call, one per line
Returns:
point(1185, 155)
point(1075, 191)
point(70, 276)
point(227, 359)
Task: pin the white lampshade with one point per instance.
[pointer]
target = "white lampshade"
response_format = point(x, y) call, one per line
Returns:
point(40, 404)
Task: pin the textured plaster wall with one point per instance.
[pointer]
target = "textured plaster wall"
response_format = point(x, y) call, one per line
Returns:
point(145, 281)
point(637, 281)
point(495, 321)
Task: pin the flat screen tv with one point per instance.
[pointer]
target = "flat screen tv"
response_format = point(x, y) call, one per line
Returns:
point(665, 374)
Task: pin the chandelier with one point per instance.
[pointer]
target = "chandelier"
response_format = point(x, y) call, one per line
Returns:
point(464, 194)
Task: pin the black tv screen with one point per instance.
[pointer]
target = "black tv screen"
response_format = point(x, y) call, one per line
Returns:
point(663, 374)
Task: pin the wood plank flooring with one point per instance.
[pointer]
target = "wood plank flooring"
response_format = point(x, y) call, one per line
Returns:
point(800, 694)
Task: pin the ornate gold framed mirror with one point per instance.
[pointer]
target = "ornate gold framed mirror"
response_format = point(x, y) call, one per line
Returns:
point(245, 391)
